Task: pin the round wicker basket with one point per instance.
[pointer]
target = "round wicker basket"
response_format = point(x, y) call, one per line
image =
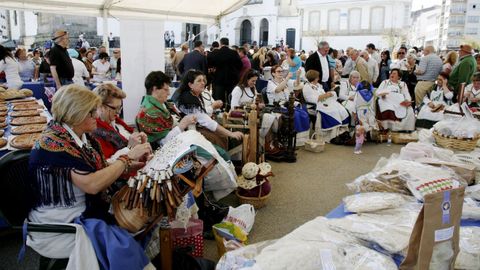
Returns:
point(131, 220)
point(462, 144)
point(257, 202)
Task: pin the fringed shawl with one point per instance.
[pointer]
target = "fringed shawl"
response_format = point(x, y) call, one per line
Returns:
point(52, 160)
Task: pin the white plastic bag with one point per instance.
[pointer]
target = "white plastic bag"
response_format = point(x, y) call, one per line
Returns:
point(242, 216)
point(372, 201)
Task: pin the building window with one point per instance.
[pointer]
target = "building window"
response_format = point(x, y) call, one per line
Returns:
point(473, 19)
point(354, 19)
point(471, 31)
point(457, 8)
point(377, 19)
point(457, 20)
point(333, 20)
point(314, 21)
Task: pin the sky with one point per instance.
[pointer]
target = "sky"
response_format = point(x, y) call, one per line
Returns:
point(417, 4)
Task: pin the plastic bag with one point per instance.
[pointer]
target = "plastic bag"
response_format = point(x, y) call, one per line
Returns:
point(390, 228)
point(372, 201)
point(469, 256)
point(293, 255)
point(243, 216)
point(230, 231)
point(471, 209)
point(473, 192)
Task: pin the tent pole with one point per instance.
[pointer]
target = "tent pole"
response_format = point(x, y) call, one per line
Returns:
point(105, 29)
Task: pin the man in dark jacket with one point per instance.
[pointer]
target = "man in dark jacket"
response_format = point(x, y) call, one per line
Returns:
point(227, 65)
point(194, 60)
point(319, 61)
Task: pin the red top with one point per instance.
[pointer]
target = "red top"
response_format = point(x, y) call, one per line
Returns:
point(109, 137)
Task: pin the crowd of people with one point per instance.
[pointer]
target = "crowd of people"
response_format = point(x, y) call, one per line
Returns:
point(60, 63)
point(87, 146)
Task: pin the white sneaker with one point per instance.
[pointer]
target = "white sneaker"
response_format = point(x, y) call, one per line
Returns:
point(357, 152)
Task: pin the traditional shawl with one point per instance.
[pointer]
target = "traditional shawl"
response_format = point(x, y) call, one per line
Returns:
point(366, 94)
point(52, 160)
point(109, 138)
point(190, 104)
point(154, 119)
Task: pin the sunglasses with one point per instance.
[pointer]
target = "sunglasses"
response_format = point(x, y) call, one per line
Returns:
point(64, 34)
point(400, 53)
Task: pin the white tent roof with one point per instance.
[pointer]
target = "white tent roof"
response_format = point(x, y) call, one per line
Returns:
point(200, 11)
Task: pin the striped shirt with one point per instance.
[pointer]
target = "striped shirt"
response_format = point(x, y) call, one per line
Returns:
point(431, 65)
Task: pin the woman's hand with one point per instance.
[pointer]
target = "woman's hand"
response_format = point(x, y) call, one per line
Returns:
point(431, 105)
point(237, 135)
point(217, 104)
point(186, 121)
point(136, 138)
point(140, 151)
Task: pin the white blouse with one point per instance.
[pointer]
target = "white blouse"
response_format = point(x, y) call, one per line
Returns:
point(10, 67)
point(240, 97)
point(311, 92)
point(281, 96)
point(347, 90)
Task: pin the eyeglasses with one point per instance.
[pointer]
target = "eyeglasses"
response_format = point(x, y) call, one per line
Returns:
point(400, 53)
point(115, 109)
point(64, 34)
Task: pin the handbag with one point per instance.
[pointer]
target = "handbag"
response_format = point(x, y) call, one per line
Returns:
point(315, 144)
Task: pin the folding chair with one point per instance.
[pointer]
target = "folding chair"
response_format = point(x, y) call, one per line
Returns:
point(16, 199)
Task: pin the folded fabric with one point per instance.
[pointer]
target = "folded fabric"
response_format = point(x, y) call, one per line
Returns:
point(391, 102)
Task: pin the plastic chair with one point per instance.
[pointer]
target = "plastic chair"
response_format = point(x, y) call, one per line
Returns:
point(16, 200)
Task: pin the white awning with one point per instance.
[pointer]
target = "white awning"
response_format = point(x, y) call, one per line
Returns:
point(199, 11)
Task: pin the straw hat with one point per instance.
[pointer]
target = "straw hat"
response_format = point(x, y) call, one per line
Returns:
point(248, 179)
point(265, 169)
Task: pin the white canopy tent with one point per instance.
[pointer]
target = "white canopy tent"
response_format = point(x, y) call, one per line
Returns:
point(141, 30)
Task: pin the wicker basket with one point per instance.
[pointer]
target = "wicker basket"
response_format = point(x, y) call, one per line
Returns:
point(257, 202)
point(379, 136)
point(404, 138)
point(462, 144)
point(470, 160)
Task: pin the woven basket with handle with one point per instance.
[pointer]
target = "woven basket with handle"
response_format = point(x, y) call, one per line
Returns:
point(315, 144)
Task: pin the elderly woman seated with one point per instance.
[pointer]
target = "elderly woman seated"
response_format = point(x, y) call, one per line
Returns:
point(114, 135)
point(435, 103)
point(472, 92)
point(72, 181)
point(348, 89)
point(155, 117)
point(191, 103)
point(394, 104)
point(334, 118)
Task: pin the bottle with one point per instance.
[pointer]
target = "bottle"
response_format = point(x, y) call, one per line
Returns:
point(389, 139)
